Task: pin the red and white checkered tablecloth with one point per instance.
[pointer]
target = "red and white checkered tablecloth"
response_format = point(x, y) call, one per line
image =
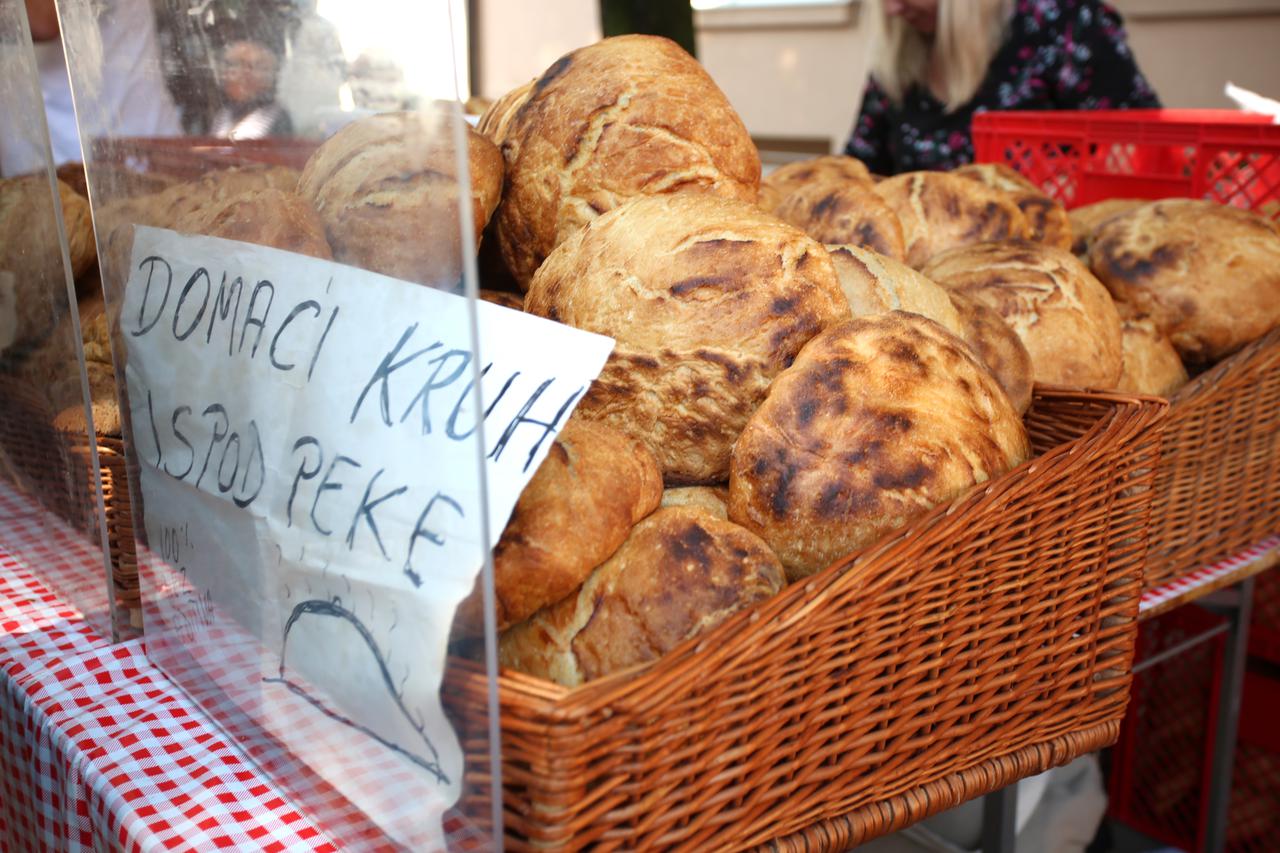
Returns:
point(99, 751)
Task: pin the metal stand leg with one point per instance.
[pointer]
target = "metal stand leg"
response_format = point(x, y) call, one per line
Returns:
point(1238, 612)
point(998, 811)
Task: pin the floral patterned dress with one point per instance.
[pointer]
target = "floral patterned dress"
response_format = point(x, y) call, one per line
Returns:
point(1058, 55)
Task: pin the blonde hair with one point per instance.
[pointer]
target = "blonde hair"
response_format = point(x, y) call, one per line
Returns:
point(968, 34)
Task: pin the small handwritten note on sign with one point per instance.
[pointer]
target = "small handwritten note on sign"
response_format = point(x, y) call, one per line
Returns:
point(310, 467)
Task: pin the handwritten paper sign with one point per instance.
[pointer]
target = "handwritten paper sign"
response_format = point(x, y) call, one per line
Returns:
point(309, 443)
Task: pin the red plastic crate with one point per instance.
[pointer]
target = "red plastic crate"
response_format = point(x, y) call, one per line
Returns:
point(1161, 763)
point(1083, 157)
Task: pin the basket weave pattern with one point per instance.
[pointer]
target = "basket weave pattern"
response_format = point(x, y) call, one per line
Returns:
point(1217, 489)
point(987, 641)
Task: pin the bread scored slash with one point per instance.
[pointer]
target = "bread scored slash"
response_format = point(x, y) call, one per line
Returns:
point(1063, 314)
point(387, 189)
point(630, 116)
point(878, 420)
point(680, 572)
point(939, 211)
point(1048, 218)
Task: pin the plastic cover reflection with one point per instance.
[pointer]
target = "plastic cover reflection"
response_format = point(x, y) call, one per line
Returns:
point(50, 506)
point(302, 425)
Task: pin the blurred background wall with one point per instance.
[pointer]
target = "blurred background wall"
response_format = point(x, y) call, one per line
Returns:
point(795, 70)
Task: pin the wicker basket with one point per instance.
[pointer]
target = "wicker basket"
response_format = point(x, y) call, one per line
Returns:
point(988, 641)
point(1217, 489)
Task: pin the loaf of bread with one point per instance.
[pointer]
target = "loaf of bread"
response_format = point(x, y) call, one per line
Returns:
point(1086, 219)
point(280, 219)
point(1151, 364)
point(712, 499)
point(844, 213)
point(829, 168)
point(998, 347)
point(874, 284)
point(185, 203)
point(580, 505)
point(879, 420)
point(514, 301)
point(387, 189)
point(496, 121)
point(1048, 218)
point(629, 116)
point(1207, 274)
point(680, 572)
point(31, 254)
point(940, 211)
point(708, 299)
point(1064, 315)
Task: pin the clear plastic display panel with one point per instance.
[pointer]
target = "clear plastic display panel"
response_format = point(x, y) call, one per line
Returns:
point(288, 259)
point(51, 512)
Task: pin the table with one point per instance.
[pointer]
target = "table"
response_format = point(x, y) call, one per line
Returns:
point(1227, 587)
point(99, 751)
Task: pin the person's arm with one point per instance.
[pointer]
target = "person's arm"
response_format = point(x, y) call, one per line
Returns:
point(43, 18)
point(870, 139)
point(1098, 71)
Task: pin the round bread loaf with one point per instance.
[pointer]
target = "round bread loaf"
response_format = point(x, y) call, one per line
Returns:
point(998, 347)
point(1064, 315)
point(879, 420)
point(1151, 364)
point(712, 499)
point(386, 188)
point(1048, 218)
point(874, 284)
point(939, 211)
point(1086, 219)
point(31, 253)
point(846, 213)
point(1207, 274)
point(829, 168)
point(708, 299)
point(496, 121)
point(280, 219)
point(680, 572)
point(580, 505)
point(629, 116)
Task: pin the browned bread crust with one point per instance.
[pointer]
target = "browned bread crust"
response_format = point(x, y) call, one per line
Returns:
point(828, 168)
point(580, 505)
point(514, 301)
point(386, 188)
point(1086, 219)
point(1151, 364)
point(629, 116)
point(939, 211)
point(998, 347)
point(875, 284)
point(846, 213)
point(280, 219)
point(1207, 274)
point(708, 300)
point(680, 572)
point(1048, 218)
point(879, 419)
point(1064, 315)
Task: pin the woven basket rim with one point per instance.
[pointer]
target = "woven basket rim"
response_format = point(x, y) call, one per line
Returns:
point(1221, 375)
point(1128, 412)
